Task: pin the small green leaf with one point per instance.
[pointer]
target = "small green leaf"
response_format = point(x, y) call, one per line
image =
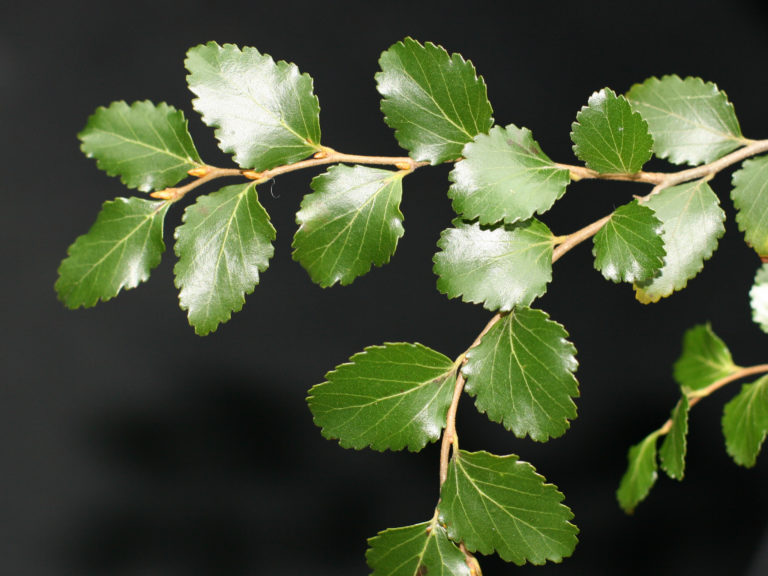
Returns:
point(758, 298)
point(265, 113)
point(521, 375)
point(640, 475)
point(388, 397)
point(420, 550)
point(505, 176)
point(499, 504)
point(500, 268)
point(692, 224)
point(434, 101)
point(745, 422)
point(629, 248)
point(223, 245)
point(146, 144)
point(119, 251)
point(672, 452)
point(705, 359)
point(351, 221)
point(691, 121)
point(609, 137)
point(750, 197)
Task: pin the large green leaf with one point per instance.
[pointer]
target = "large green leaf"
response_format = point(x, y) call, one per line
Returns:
point(500, 268)
point(387, 397)
point(745, 422)
point(119, 251)
point(692, 224)
point(505, 176)
point(435, 102)
point(499, 504)
point(351, 221)
point(705, 359)
point(640, 475)
point(223, 245)
point(609, 137)
point(265, 113)
point(672, 452)
point(521, 374)
point(750, 197)
point(420, 550)
point(629, 248)
point(758, 298)
point(691, 121)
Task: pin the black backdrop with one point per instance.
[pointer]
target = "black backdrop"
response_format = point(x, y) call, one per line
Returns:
point(132, 447)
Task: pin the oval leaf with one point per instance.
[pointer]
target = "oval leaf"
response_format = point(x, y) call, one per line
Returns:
point(750, 197)
point(705, 359)
point(640, 475)
point(672, 452)
point(745, 422)
point(758, 298)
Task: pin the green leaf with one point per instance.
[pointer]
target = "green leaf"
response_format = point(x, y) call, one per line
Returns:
point(351, 221)
point(609, 137)
point(691, 121)
point(758, 298)
point(521, 375)
point(745, 422)
point(705, 359)
point(388, 397)
point(434, 101)
point(119, 251)
point(265, 113)
point(505, 176)
point(692, 224)
point(501, 267)
point(629, 248)
point(146, 144)
point(499, 504)
point(750, 197)
point(223, 245)
point(640, 475)
point(672, 453)
point(420, 550)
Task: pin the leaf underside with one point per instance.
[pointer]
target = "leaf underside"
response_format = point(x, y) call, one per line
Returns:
point(640, 475)
point(672, 452)
point(750, 197)
point(705, 359)
point(758, 298)
point(745, 422)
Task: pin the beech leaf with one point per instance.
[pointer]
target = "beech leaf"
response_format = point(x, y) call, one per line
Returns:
point(640, 475)
point(672, 452)
point(745, 422)
point(705, 359)
point(750, 197)
point(758, 298)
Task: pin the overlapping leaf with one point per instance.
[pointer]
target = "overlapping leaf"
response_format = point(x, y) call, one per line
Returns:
point(750, 197)
point(505, 176)
point(692, 224)
point(609, 137)
point(758, 298)
point(521, 375)
point(499, 504)
point(387, 397)
point(265, 113)
point(672, 452)
point(350, 222)
point(223, 245)
point(704, 360)
point(640, 475)
point(501, 268)
point(119, 251)
point(691, 121)
point(434, 101)
point(745, 422)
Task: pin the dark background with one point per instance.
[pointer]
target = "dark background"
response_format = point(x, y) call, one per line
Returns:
point(129, 446)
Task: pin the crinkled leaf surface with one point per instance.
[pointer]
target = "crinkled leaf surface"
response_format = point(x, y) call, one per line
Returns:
point(758, 298)
point(265, 113)
point(499, 504)
point(521, 374)
point(434, 101)
point(500, 268)
point(704, 360)
point(629, 248)
point(119, 251)
point(223, 245)
point(672, 452)
point(392, 397)
point(609, 137)
point(147, 145)
point(505, 176)
point(640, 475)
point(692, 224)
point(351, 221)
point(750, 197)
point(691, 121)
point(745, 422)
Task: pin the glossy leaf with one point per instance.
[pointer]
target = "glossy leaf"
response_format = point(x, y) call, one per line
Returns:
point(350, 222)
point(505, 176)
point(119, 251)
point(265, 113)
point(629, 248)
point(499, 504)
point(692, 224)
point(750, 197)
point(521, 375)
point(691, 121)
point(223, 245)
point(434, 101)
point(640, 475)
point(705, 359)
point(388, 397)
point(672, 452)
point(745, 422)
point(500, 268)
point(758, 298)
point(609, 137)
